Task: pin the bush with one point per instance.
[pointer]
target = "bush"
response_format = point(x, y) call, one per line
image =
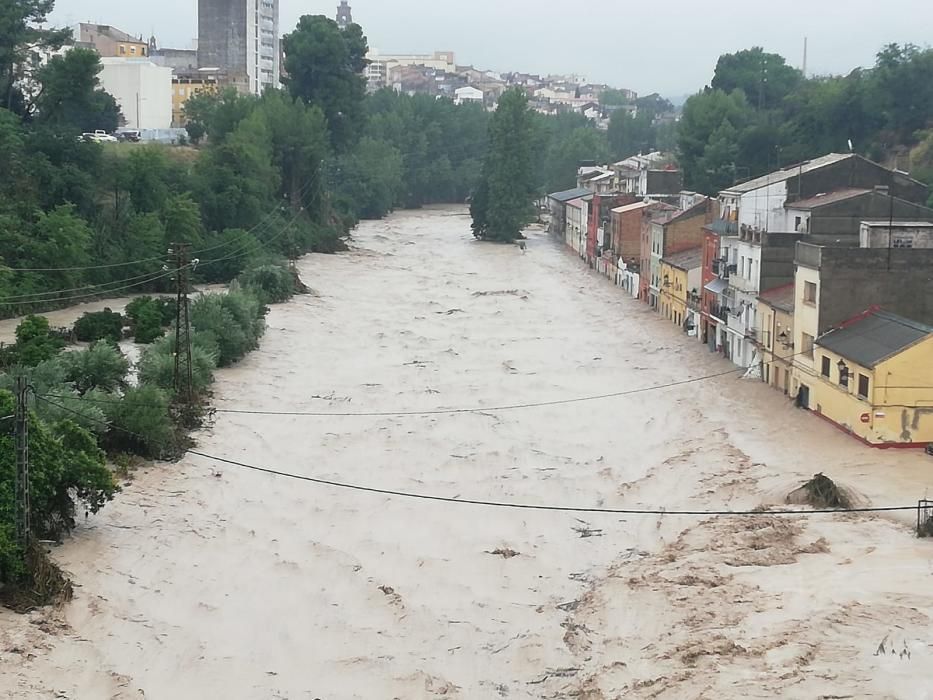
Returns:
point(101, 366)
point(34, 342)
point(141, 422)
point(273, 284)
point(149, 316)
point(148, 326)
point(66, 467)
point(157, 365)
point(230, 252)
point(233, 320)
point(99, 325)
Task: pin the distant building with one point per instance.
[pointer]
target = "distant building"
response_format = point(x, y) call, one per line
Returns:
point(188, 84)
point(179, 60)
point(241, 39)
point(468, 94)
point(111, 42)
point(344, 14)
point(142, 89)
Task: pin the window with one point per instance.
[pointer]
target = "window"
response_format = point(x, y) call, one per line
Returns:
point(133, 50)
point(809, 292)
point(122, 49)
point(797, 221)
point(824, 370)
point(807, 342)
point(862, 386)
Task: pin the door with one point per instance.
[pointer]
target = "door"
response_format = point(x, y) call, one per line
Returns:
point(803, 396)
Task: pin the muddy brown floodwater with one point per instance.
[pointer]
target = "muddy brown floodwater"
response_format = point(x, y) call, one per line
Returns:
point(205, 580)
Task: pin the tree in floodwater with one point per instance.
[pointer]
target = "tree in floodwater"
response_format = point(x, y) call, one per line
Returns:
point(502, 202)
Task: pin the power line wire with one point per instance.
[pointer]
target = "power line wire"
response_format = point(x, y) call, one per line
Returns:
point(502, 504)
point(92, 294)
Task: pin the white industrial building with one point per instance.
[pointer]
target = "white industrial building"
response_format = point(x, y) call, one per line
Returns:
point(468, 94)
point(142, 89)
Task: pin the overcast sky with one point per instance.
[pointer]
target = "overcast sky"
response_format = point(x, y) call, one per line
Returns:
point(668, 47)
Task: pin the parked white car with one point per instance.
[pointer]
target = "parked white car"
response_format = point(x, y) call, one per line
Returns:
point(99, 136)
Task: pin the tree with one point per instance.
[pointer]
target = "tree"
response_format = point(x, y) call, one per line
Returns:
point(565, 155)
point(506, 192)
point(299, 144)
point(71, 96)
point(21, 32)
point(614, 98)
point(66, 468)
point(101, 366)
point(369, 180)
point(703, 116)
point(765, 78)
point(35, 342)
point(631, 133)
point(323, 67)
point(217, 114)
point(235, 179)
point(141, 422)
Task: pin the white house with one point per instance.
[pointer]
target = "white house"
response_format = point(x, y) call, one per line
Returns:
point(142, 89)
point(468, 94)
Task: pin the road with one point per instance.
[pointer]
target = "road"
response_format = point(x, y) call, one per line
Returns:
point(205, 579)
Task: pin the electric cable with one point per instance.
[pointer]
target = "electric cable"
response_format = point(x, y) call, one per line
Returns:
point(98, 293)
point(505, 504)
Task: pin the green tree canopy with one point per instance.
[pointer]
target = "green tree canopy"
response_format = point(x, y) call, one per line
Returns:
point(71, 96)
point(324, 65)
point(502, 206)
point(22, 32)
point(765, 78)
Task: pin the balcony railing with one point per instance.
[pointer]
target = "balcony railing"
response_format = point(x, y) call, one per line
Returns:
point(724, 228)
point(719, 311)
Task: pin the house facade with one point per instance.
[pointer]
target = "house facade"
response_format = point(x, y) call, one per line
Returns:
point(874, 379)
point(833, 284)
point(681, 274)
point(776, 336)
point(671, 233)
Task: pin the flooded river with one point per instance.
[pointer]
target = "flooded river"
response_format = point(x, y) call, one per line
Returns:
point(207, 580)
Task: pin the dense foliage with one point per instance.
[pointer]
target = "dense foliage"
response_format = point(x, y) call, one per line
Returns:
point(99, 325)
point(503, 201)
point(758, 114)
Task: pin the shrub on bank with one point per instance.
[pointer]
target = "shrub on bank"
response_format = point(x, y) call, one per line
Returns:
point(35, 343)
point(99, 325)
point(140, 422)
point(149, 317)
point(234, 321)
point(157, 364)
point(273, 284)
point(101, 366)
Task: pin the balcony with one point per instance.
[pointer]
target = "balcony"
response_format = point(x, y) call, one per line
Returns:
point(720, 312)
point(724, 228)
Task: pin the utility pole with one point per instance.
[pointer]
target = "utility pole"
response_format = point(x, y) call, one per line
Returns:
point(183, 371)
point(21, 445)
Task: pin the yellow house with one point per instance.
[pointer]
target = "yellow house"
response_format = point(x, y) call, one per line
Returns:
point(678, 300)
point(776, 336)
point(185, 86)
point(875, 379)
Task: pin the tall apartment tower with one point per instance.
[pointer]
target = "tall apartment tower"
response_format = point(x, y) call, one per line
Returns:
point(241, 39)
point(344, 14)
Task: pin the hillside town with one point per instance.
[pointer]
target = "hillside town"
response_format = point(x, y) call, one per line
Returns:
point(814, 279)
point(152, 83)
